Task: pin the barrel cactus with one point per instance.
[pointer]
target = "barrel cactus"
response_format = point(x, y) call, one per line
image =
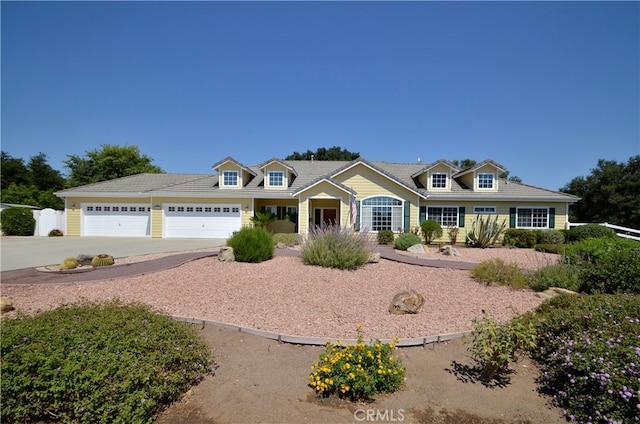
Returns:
point(102, 260)
point(69, 263)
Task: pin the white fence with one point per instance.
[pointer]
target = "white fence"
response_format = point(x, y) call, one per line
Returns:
point(47, 220)
point(625, 232)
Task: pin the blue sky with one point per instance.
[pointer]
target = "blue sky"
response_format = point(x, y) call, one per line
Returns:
point(544, 88)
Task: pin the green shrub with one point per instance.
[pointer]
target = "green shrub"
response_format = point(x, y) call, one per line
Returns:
point(405, 241)
point(56, 233)
point(17, 222)
point(252, 244)
point(550, 248)
point(497, 271)
point(616, 272)
point(558, 275)
point(485, 231)
point(430, 230)
point(520, 237)
point(332, 246)
point(288, 239)
point(359, 371)
point(588, 347)
point(386, 237)
point(582, 232)
point(550, 237)
point(105, 362)
point(496, 345)
point(102, 260)
point(262, 219)
point(592, 250)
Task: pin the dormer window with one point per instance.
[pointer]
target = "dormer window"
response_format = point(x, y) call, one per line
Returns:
point(276, 178)
point(485, 180)
point(439, 180)
point(230, 178)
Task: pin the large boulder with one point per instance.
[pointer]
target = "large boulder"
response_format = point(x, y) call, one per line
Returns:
point(406, 302)
point(226, 254)
point(416, 248)
point(84, 259)
point(374, 257)
point(6, 304)
point(552, 292)
point(450, 251)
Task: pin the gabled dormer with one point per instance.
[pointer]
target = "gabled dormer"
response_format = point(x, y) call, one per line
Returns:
point(482, 176)
point(436, 176)
point(232, 174)
point(278, 175)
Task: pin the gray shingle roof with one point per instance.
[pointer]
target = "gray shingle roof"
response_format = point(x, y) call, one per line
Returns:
point(308, 173)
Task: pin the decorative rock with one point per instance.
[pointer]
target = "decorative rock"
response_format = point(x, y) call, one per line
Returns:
point(552, 292)
point(226, 254)
point(416, 248)
point(450, 251)
point(406, 302)
point(374, 257)
point(84, 259)
point(6, 304)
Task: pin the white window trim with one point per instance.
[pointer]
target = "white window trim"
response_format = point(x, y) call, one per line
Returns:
point(446, 183)
point(546, 227)
point(457, 208)
point(475, 211)
point(494, 180)
point(284, 179)
point(222, 180)
point(370, 227)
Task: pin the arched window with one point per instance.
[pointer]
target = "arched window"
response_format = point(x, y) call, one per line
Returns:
point(381, 213)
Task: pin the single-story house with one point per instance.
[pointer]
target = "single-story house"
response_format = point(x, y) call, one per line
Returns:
point(361, 194)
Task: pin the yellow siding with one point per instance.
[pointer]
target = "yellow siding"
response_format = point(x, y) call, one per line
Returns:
point(232, 167)
point(438, 169)
point(276, 167)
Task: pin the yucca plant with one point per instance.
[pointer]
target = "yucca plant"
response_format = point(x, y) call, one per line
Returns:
point(486, 232)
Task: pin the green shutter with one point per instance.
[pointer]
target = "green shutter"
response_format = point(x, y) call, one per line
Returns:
point(552, 217)
point(512, 218)
point(423, 214)
point(461, 217)
point(407, 215)
point(357, 226)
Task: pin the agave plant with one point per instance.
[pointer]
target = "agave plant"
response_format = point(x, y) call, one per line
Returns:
point(485, 232)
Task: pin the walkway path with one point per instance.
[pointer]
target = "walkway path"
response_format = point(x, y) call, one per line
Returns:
point(34, 276)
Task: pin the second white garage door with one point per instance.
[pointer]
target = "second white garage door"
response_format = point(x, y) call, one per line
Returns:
point(201, 220)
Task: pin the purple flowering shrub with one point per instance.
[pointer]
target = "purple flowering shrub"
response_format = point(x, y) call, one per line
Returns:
point(589, 347)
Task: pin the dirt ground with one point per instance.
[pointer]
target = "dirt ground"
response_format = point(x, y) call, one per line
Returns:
point(263, 381)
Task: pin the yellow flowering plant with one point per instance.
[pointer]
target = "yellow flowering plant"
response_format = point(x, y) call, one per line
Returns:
point(357, 371)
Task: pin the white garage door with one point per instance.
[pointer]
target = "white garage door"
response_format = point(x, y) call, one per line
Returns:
point(201, 220)
point(116, 219)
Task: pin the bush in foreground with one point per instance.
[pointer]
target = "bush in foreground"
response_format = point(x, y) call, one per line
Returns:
point(499, 272)
point(583, 232)
point(17, 222)
point(332, 246)
point(105, 362)
point(358, 371)
point(590, 350)
point(405, 241)
point(252, 244)
point(558, 275)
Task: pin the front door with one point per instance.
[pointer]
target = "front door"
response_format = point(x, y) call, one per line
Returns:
point(329, 216)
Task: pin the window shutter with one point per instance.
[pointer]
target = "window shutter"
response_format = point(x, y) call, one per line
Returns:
point(552, 217)
point(512, 218)
point(461, 217)
point(357, 226)
point(407, 215)
point(423, 214)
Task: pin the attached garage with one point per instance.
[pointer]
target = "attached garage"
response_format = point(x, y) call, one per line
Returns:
point(116, 219)
point(201, 220)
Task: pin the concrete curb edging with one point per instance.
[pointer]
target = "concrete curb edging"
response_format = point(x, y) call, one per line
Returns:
point(320, 341)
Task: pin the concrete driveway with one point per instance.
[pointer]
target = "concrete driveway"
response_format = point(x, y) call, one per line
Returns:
point(29, 252)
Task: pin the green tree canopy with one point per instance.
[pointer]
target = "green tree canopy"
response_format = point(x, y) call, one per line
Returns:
point(42, 175)
point(332, 153)
point(107, 163)
point(13, 170)
point(609, 194)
